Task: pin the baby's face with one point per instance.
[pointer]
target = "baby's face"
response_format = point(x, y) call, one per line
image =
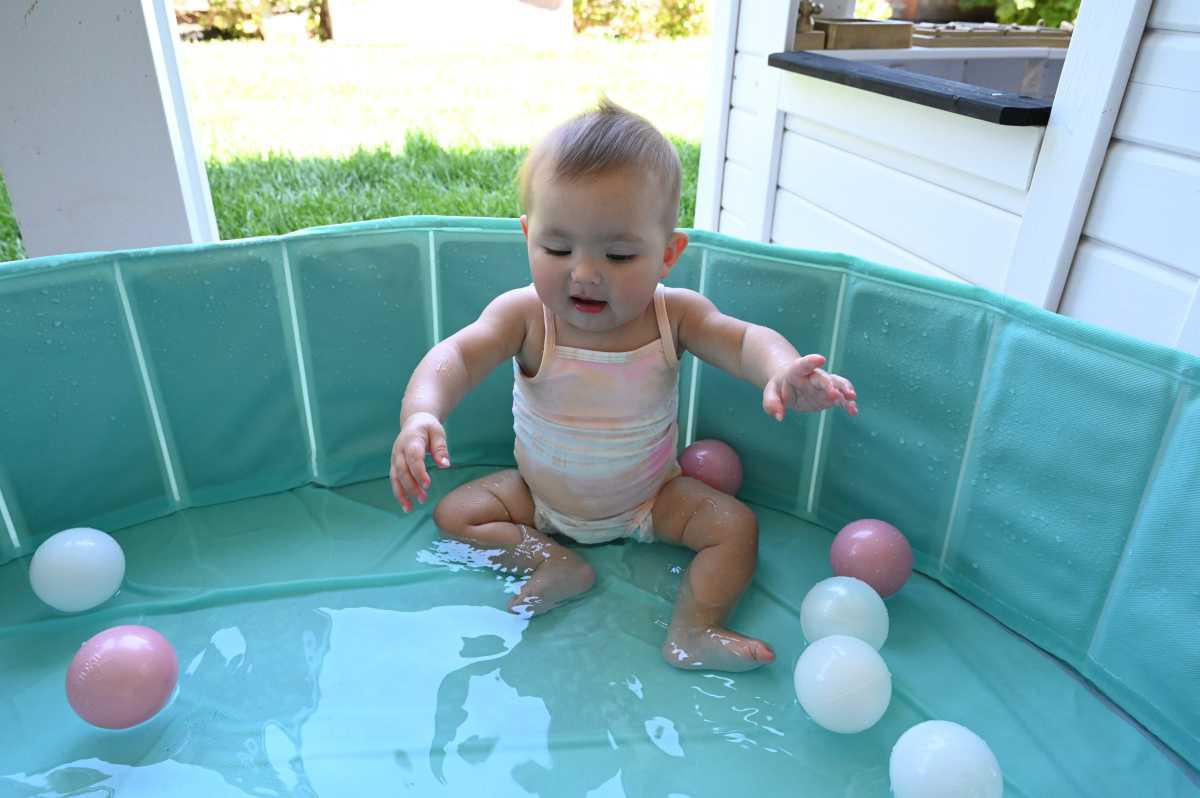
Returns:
point(598, 246)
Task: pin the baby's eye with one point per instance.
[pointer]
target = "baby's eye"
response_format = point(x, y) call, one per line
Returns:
point(558, 253)
point(620, 258)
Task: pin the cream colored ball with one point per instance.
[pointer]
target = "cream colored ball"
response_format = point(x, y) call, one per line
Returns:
point(939, 759)
point(77, 569)
point(843, 684)
point(843, 605)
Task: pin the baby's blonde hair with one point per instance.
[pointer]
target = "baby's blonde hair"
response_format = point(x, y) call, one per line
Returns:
point(609, 137)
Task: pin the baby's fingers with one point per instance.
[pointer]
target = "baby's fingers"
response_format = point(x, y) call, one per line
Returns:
point(848, 395)
point(414, 477)
point(397, 488)
point(438, 447)
point(774, 403)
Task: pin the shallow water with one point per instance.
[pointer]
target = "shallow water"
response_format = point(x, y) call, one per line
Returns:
point(330, 645)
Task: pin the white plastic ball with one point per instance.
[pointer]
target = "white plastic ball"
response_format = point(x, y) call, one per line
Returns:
point(77, 569)
point(843, 684)
point(843, 605)
point(939, 759)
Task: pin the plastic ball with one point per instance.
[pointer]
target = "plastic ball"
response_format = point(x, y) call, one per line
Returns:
point(77, 569)
point(939, 759)
point(875, 552)
point(843, 605)
point(714, 463)
point(843, 684)
point(122, 677)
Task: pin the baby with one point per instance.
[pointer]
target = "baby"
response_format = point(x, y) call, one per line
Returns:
point(595, 343)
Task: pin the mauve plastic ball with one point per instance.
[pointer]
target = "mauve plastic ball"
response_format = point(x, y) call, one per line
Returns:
point(122, 677)
point(875, 552)
point(714, 463)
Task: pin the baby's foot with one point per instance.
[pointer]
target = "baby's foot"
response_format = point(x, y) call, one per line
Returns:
point(555, 580)
point(715, 648)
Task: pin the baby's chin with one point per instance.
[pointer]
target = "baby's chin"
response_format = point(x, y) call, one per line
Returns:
point(604, 321)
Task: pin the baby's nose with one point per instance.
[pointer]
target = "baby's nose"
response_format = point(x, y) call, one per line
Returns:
point(586, 271)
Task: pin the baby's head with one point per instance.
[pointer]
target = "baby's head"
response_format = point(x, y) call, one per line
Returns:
point(601, 199)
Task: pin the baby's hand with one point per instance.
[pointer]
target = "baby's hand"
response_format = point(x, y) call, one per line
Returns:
point(421, 433)
point(803, 386)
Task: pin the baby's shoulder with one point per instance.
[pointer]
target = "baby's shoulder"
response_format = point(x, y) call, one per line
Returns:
point(519, 304)
point(522, 308)
point(682, 301)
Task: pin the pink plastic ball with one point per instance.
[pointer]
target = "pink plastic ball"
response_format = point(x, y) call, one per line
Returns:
point(875, 552)
point(714, 463)
point(122, 677)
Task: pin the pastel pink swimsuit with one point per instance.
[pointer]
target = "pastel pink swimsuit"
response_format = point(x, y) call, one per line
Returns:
point(596, 434)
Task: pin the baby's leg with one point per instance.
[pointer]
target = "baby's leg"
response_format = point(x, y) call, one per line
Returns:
point(496, 512)
point(724, 534)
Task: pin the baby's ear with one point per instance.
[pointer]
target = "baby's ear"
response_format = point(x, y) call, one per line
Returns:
point(525, 226)
point(675, 247)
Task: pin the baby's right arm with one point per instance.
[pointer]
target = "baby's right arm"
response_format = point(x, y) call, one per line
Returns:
point(443, 377)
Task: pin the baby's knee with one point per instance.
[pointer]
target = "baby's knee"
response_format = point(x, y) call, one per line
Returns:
point(449, 515)
point(741, 524)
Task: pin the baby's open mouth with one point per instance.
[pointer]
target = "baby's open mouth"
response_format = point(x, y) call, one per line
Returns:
point(588, 305)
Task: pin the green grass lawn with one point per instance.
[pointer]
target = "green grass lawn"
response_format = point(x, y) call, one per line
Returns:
point(276, 194)
point(10, 241)
point(297, 136)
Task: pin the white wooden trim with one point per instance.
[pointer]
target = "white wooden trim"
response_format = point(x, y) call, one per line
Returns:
point(780, 19)
point(1182, 15)
point(95, 143)
point(1147, 201)
point(189, 161)
point(1127, 292)
point(957, 233)
point(732, 225)
point(739, 194)
point(1001, 154)
point(1162, 103)
point(1003, 197)
point(739, 138)
point(741, 95)
point(1081, 122)
point(800, 224)
point(950, 54)
point(760, 31)
point(1160, 116)
point(716, 116)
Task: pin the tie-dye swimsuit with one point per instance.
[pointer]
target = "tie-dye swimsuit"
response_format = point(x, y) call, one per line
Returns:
point(596, 434)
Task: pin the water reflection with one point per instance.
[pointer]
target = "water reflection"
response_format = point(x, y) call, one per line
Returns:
point(428, 687)
point(381, 685)
point(614, 718)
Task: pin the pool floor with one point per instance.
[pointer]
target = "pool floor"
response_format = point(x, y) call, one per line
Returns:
point(329, 645)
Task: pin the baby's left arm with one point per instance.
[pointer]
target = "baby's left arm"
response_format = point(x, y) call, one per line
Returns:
point(762, 356)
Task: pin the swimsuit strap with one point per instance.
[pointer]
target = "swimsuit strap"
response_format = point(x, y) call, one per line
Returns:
point(549, 341)
point(664, 326)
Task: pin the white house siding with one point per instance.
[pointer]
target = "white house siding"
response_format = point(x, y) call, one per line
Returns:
point(1137, 268)
point(815, 165)
point(756, 38)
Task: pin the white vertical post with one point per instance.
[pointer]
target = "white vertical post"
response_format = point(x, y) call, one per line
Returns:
point(95, 140)
point(716, 116)
point(1089, 96)
point(775, 32)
